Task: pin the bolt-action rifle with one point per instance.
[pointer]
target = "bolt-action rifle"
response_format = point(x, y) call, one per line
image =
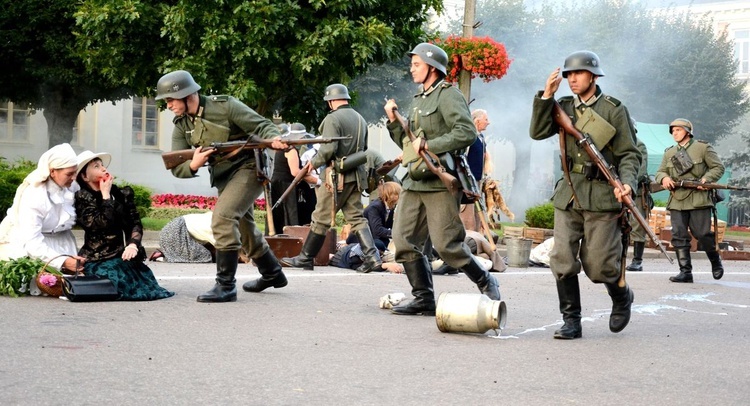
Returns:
point(585, 142)
point(174, 158)
point(431, 160)
point(693, 184)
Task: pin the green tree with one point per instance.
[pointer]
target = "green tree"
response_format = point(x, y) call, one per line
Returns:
point(41, 71)
point(275, 55)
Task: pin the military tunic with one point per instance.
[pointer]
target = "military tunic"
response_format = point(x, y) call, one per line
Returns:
point(342, 122)
point(642, 198)
point(587, 233)
point(440, 115)
point(221, 119)
point(691, 207)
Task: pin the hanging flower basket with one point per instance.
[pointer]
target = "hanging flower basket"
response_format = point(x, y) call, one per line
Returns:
point(481, 56)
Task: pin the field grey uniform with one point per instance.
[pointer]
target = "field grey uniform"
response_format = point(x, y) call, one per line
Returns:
point(587, 232)
point(221, 119)
point(643, 204)
point(690, 209)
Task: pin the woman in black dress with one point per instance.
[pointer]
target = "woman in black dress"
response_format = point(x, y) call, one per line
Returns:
point(109, 218)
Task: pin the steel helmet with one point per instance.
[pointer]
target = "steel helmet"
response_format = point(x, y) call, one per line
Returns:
point(336, 91)
point(582, 60)
point(684, 123)
point(176, 85)
point(432, 55)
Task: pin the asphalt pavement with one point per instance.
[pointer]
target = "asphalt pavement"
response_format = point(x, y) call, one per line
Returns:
point(323, 340)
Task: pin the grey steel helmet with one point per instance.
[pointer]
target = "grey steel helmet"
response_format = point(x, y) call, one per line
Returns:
point(336, 91)
point(176, 85)
point(684, 123)
point(583, 60)
point(432, 55)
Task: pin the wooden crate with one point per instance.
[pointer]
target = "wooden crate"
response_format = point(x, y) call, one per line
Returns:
point(512, 232)
point(659, 219)
point(538, 235)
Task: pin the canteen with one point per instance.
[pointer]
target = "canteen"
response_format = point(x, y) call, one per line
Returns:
point(469, 313)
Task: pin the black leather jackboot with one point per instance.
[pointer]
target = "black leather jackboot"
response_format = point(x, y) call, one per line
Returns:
point(224, 290)
point(622, 301)
point(271, 274)
point(569, 294)
point(486, 283)
point(420, 278)
point(717, 269)
point(306, 258)
point(686, 267)
point(372, 258)
point(637, 264)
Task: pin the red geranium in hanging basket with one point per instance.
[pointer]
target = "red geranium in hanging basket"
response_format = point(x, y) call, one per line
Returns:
point(481, 56)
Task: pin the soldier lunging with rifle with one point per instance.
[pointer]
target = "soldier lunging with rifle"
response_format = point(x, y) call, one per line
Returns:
point(199, 122)
point(691, 205)
point(597, 153)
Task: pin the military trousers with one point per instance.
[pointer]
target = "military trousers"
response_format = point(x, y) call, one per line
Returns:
point(638, 234)
point(233, 224)
point(349, 201)
point(696, 222)
point(434, 214)
point(588, 240)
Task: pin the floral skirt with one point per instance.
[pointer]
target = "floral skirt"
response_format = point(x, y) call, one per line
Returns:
point(132, 279)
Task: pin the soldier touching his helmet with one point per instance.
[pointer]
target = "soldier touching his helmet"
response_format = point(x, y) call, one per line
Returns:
point(199, 121)
point(440, 118)
point(690, 209)
point(588, 209)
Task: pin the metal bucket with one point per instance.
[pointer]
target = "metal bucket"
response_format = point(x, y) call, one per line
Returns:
point(519, 250)
point(469, 313)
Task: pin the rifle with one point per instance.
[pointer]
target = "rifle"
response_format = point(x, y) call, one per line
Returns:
point(693, 184)
point(260, 166)
point(174, 158)
point(584, 141)
point(387, 166)
point(431, 161)
point(471, 190)
point(297, 179)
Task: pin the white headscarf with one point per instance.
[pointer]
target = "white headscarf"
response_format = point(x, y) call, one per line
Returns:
point(58, 157)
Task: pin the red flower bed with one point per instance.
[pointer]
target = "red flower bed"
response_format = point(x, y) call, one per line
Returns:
point(193, 201)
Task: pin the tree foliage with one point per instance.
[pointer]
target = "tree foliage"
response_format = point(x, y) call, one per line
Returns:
point(275, 55)
point(41, 71)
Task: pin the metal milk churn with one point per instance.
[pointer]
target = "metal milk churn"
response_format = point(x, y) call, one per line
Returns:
point(469, 313)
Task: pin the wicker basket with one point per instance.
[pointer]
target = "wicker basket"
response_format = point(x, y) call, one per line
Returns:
point(56, 289)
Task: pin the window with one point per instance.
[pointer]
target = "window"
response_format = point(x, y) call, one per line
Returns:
point(14, 123)
point(145, 122)
point(742, 51)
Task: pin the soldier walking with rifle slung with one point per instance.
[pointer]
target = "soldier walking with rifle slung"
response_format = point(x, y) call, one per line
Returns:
point(589, 214)
point(690, 209)
point(202, 120)
point(439, 123)
point(347, 180)
point(644, 204)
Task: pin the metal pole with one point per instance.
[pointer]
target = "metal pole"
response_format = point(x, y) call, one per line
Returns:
point(464, 77)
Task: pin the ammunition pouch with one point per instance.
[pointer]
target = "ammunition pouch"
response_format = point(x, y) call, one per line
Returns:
point(717, 196)
point(682, 162)
point(350, 162)
point(596, 127)
point(418, 170)
point(588, 169)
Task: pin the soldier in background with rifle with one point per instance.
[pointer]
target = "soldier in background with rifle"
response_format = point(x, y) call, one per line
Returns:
point(439, 124)
point(199, 122)
point(590, 222)
point(644, 203)
point(690, 209)
point(345, 181)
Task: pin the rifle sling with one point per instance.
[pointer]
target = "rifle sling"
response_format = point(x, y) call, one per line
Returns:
point(564, 159)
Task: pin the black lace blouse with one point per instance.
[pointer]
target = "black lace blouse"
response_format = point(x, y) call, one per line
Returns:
point(109, 225)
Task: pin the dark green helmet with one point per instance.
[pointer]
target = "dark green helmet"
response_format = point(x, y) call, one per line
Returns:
point(176, 85)
point(336, 91)
point(582, 60)
point(432, 55)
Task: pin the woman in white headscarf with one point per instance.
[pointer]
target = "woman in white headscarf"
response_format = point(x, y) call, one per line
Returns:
point(39, 223)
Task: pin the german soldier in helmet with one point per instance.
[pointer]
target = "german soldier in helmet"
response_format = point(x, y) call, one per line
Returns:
point(588, 210)
point(690, 209)
point(344, 186)
point(440, 119)
point(199, 121)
